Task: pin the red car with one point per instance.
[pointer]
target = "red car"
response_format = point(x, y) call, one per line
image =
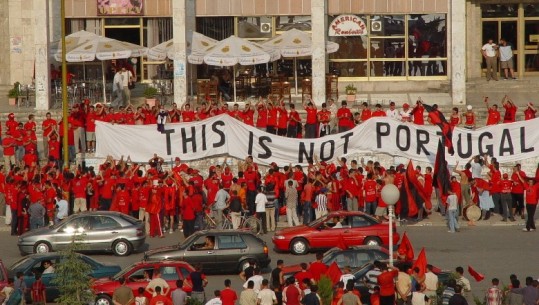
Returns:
point(135, 278)
point(340, 228)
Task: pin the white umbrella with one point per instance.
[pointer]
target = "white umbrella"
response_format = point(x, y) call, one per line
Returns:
point(234, 50)
point(295, 43)
point(94, 46)
point(71, 41)
point(196, 45)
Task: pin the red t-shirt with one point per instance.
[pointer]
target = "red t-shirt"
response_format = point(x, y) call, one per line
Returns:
point(292, 295)
point(370, 190)
point(262, 118)
point(47, 126)
point(283, 118)
point(506, 186)
point(9, 146)
point(272, 116)
point(418, 115)
point(161, 300)
point(228, 296)
point(345, 117)
point(324, 116)
point(510, 113)
point(529, 114)
point(79, 187)
point(531, 194)
point(317, 269)
point(311, 115)
point(365, 115)
point(90, 122)
point(493, 117)
point(387, 283)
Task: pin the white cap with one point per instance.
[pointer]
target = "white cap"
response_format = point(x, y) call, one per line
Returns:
point(469, 107)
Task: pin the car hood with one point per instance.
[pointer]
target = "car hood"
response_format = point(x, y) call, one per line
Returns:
point(103, 282)
point(35, 232)
point(293, 230)
point(160, 251)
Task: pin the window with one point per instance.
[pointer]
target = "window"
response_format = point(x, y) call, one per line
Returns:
point(231, 242)
point(169, 273)
point(361, 257)
point(184, 273)
point(345, 259)
point(255, 27)
point(285, 23)
point(104, 223)
point(499, 10)
point(359, 221)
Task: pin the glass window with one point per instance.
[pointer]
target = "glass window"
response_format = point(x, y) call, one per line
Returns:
point(531, 32)
point(104, 223)
point(285, 23)
point(169, 273)
point(499, 10)
point(509, 32)
point(387, 25)
point(255, 27)
point(531, 10)
point(532, 62)
point(359, 221)
point(362, 257)
point(122, 21)
point(231, 242)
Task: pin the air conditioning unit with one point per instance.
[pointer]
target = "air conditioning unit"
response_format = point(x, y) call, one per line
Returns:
point(265, 27)
point(376, 26)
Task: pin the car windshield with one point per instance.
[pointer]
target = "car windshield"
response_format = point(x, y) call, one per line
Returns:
point(316, 223)
point(188, 241)
point(123, 272)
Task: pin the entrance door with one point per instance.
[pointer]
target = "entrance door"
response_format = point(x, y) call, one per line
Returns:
point(502, 29)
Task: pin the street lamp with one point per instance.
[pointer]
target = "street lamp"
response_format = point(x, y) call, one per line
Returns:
point(390, 195)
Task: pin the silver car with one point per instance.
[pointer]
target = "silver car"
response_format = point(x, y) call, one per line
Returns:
point(97, 230)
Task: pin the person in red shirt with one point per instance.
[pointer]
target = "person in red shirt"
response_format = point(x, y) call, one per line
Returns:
point(418, 113)
point(510, 110)
point(345, 118)
point(317, 268)
point(294, 123)
point(160, 299)
point(369, 188)
point(248, 115)
point(386, 281)
point(262, 116)
point(187, 113)
point(311, 121)
point(38, 290)
point(9, 144)
point(324, 118)
point(91, 117)
point(366, 112)
point(530, 112)
point(31, 124)
point(54, 146)
point(454, 119)
point(228, 295)
point(378, 111)
point(291, 293)
point(282, 122)
point(47, 126)
point(175, 114)
point(531, 202)
point(30, 159)
point(469, 118)
point(18, 134)
point(29, 140)
point(493, 117)
point(273, 115)
point(506, 200)
point(188, 210)
point(80, 183)
point(302, 275)
point(11, 124)
point(517, 192)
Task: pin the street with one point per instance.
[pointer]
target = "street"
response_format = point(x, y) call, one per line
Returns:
point(492, 251)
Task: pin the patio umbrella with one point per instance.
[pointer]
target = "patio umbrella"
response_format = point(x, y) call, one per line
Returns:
point(295, 43)
point(102, 48)
point(73, 40)
point(234, 50)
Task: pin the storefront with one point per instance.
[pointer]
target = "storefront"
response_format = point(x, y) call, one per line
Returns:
point(403, 45)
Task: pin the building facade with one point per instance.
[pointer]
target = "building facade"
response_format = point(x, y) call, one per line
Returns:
point(385, 45)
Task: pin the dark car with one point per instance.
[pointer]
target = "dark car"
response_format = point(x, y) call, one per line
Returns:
point(98, 231)
point(231, 252)
point(352, 257)
point(35, 264)
point(348, 228)
point(134, 276)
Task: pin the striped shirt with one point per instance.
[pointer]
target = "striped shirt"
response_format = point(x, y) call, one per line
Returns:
point(322, 202)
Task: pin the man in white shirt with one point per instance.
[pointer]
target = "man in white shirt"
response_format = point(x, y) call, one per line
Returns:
point(266, 296)
point(257, 280)
point(127, 77)
point(506, 59)
point(490, 53)
point(392, 112)
point(405, 113)
point(260, 201)
point(157, 281)
point(117, 89)
point(222, 199)
point(62, 209)
point(431, 282)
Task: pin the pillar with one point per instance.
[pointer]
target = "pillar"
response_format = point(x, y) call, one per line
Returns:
point(319, 38)
point(183, 21)
point(41, 64)
point(457, 51)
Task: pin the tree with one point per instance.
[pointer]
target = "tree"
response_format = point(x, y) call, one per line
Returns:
point(72, 276)
point(325, 290)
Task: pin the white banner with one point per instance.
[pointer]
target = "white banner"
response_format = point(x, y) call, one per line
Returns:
point(224, 135)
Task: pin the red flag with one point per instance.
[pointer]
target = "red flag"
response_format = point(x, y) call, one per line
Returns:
point(405, 248)
point(476, 275)
point(437, 118)
point(341, 244)
point(334, 273)
point(421, 262)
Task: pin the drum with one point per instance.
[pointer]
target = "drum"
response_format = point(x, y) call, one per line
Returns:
point(472, 212)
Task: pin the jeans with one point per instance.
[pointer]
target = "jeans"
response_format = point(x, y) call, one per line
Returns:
point(218, 214)
point(370, 207)
point(14, 223)
point(277, 210)
point(497, 198)
point(118, 101)
point(36, 223)
point(452, 220)
point(104, 204)
point(262, 216)
point(530, 210)
point(507, 206)
point(352, 204)
point(307, 212)
point(19, 153)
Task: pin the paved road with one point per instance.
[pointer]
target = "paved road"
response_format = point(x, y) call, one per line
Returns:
point(493, 251)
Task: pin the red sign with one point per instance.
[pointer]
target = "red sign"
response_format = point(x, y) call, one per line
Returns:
point(119, 7)
point(347, 25)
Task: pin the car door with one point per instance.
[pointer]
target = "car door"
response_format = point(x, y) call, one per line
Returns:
point(77, 227)
point(135, 277)
point(230, 249)
point(103, 232)
point(170, 273)
point(325, 235)
point(194, 254)
point(359, 229)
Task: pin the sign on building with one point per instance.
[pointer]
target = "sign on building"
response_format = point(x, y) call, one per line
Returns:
point(347, 25)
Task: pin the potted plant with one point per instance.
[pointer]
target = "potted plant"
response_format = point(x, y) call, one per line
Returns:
point(150, 93)
point(351, 91)
point(13, 94)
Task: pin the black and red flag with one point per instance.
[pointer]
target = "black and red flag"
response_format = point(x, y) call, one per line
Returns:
point(442, 177)
point(437, 118)
point(412, 194)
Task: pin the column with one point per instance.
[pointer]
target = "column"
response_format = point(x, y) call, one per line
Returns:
point(183, 21)
point(41, 41)
point(457, 52)
point(319, 38)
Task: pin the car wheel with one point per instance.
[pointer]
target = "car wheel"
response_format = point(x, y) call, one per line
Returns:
point(103, 300)
point(42, 247)
point(299, 246)
point(122, 247)
point(243, 264)
point(372, 241)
